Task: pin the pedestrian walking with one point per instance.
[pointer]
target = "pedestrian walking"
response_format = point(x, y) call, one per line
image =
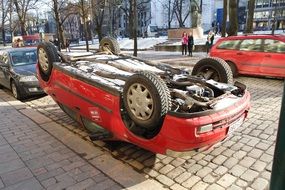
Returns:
point(67, 45)
point(184, 42)
point(190, 44)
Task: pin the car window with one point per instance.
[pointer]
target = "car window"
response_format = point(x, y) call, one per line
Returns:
point(229, 44)
point(23, 57)
point(251, 45)
point(274, 46)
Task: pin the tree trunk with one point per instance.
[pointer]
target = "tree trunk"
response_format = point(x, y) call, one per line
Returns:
point(3, 25)
point(61, 36)
point(131, 20)
point(58, 24)
point(250, 13)
point(233, 29)
point(86, 34)
point(135, 22)
point(99, 32)
point(225, 14)
point(21, 18)
point(169, 14)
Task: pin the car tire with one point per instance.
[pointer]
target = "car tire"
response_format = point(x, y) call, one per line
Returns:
point(146, 99)
point(110, 43)
point(233, 68)
point(213, 68)
point(15, 90)
point(47, 55)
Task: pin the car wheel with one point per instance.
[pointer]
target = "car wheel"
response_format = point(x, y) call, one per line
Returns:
point(213, 68)
point(15, 91)
point(146, 99)
point(233, 68)
point(111, 44)
point(47, 54)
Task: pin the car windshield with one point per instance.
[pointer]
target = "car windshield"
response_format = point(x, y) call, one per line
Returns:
point(25, 57)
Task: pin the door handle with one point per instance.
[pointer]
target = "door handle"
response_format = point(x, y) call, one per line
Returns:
point(239, 53)
point(267, 55)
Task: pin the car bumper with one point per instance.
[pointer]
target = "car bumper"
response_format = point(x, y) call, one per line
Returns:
point(181, 134)
point(30, 88)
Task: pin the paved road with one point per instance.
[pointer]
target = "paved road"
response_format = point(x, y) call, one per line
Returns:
point(242, 162)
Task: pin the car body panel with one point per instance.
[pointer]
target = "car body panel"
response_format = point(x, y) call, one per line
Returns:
point(257, 61)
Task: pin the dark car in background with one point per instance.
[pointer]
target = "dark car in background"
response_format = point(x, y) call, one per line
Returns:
point(18, 72)
point(261, 55)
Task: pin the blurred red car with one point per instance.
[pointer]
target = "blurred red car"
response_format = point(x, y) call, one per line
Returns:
point(253, 54)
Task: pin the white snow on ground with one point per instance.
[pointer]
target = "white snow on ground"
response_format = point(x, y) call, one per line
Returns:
point(127, 44)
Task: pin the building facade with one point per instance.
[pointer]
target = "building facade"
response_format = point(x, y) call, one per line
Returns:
point(155, 16)
point(268, 14)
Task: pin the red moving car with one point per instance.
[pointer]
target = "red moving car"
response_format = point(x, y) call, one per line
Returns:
point(155, 106)
point(262, 55)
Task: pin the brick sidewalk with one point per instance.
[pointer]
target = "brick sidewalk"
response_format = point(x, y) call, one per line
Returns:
point(35, 153)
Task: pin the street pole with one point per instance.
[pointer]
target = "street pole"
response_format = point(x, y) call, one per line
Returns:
point(277, 181)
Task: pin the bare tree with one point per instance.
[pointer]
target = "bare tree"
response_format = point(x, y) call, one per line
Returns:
point(233, 16)
point(225, 15)
point(135, 22)
point(22, 7)
point(4, 17)
point(61, 12)
point(181, 11)
point(128, 10)
point(84, 11)
point(98, 13)
point(169, 7)
point(250, 13)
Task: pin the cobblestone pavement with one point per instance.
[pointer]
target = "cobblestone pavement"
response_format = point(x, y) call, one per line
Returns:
point(244, 161)
point(37, 154)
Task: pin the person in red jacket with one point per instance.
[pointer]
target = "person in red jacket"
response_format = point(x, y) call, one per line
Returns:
point(184, 41)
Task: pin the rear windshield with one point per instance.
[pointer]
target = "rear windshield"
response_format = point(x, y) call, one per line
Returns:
point(229, 44)
point(25, 57)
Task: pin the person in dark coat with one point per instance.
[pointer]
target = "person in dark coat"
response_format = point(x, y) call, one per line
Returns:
point(190, 44)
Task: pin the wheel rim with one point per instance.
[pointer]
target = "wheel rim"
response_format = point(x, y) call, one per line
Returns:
point(43, 59)
point(140, 101)
point(209, 73)
point(107, 46)
point(14, 90)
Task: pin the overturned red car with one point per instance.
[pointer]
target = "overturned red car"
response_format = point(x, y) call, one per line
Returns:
point(155, 106)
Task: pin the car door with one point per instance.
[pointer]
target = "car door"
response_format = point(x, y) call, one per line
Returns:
point(4, 69)
point(250, 56)
point(274, 56)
